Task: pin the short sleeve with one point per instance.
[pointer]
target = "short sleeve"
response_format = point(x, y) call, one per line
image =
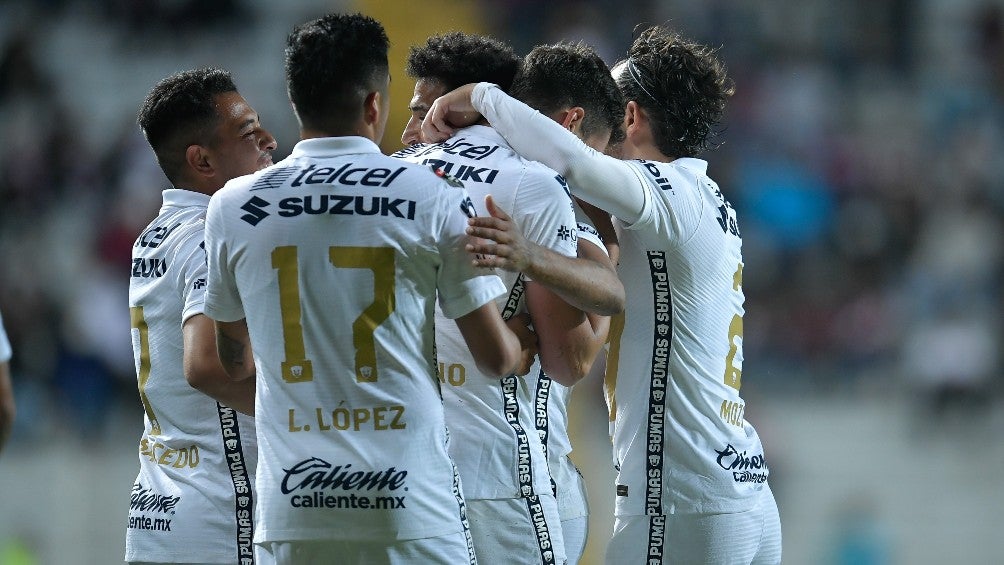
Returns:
point(192, 256)
point(462, 287)
point(544, 212)
point(222, 300)
point(672, 207)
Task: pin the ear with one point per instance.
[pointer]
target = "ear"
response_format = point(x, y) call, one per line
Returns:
point(371, 108)
point(634, 119)
point(572, 118)
point(197, 158)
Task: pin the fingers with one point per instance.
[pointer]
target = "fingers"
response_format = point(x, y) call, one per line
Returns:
point(488, 231)
point(495, 210)
point(434, 126)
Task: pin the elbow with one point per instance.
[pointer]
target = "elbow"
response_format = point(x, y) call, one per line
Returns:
point(612, 304)
point(566, 373)
point(197, 378)
point(497, 366)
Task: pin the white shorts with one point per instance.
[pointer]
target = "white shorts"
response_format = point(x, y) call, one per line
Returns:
point(752, 537)
point(573, 508)
point(517, 531)
point(571, 490)
point(450, 549)
point(574, 531)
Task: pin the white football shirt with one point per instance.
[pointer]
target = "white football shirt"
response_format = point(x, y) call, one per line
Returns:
point(334, 256)
point(193, 495)
point(675, 364)
point(492, 421)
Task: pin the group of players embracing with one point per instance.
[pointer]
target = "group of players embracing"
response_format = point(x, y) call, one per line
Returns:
point(348, 357)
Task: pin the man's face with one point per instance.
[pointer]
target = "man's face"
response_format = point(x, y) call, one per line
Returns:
point(240, 145)
point(426, 92)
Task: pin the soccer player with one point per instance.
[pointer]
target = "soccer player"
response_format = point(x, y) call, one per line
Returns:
point(192, 500)
point(493, 421)
point(8, 410)
point(572, 85)
point(692, 476)
point(327, 267)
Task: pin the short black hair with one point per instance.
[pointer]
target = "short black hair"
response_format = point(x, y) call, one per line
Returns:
point(455, 59)
point(681, 85)
point(332, 63)
point(179, 111)
point(565, 75)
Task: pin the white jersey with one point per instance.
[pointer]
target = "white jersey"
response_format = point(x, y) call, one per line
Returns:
point(192, 500)
point(674, 369)
point(334, 256)
point(491, 420)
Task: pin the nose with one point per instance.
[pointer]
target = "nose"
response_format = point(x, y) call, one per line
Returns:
point(267, 142)
point(412, 133)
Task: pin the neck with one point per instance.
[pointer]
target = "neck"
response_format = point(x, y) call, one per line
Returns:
point(200, 187)
point(647, 152)
point(312, 133)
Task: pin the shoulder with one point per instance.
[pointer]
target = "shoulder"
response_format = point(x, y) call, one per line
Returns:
point(541, 180)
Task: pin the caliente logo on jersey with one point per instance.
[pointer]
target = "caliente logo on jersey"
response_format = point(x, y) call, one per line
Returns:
point(316, 483)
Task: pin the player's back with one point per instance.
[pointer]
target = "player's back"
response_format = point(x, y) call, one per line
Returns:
point(337, 254)
point(492, 422)
point(195, 454)
point(681, 264)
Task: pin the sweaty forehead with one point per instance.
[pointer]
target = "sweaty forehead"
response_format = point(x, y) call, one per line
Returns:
point(426, 92)
point(232, 106)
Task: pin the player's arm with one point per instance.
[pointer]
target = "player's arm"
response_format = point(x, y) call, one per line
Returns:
point(533, 135)
point(588, 282)
point(499, 347)
point(204, 370)
point(233, 345)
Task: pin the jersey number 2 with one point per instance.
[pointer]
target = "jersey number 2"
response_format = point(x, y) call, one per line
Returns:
point(297, 368)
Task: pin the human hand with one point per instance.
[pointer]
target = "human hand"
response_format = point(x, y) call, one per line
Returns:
point(449, 112)
point(498, 243)
point(520, 325)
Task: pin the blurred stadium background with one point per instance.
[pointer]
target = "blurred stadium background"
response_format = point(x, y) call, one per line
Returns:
point(864, 152)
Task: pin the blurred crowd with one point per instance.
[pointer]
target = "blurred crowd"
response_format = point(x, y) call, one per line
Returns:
point(863, 151)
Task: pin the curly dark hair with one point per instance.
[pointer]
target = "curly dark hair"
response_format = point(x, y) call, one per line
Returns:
point(332, 63)
point(565, 75)
point(681, 85)
point(179, 112)
point(455, 59)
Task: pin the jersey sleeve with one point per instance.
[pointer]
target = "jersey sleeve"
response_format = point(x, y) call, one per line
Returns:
point(191, 255)
point(543, 211)
point(222, 300)
point(599, 179)
point(673, 208)
point(462, 287)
